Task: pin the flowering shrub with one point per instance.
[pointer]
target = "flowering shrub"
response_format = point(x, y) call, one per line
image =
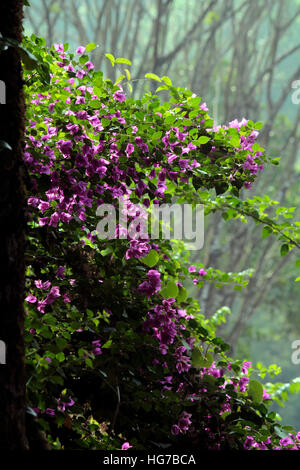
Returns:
point(116, 350)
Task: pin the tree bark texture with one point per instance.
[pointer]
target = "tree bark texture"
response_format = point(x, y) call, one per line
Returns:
point(12, 229)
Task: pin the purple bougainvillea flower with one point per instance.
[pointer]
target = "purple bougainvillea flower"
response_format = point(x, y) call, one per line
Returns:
point(59, 47)
point(163, 348)
point(80, 73)
point(126, 446)
point(42, 285)
point(63, 404)
point(51, 107)
point(60, 272)
point(66, 298)
point(41, 306)
point(137, 249)
point(129, 149)
point(246, 366)
point(184, 422)
point(175, 430)
point(43, 206)
point(43, 221)
point(140, 189)
point(192, 269)
point(80, 100)
point(54, 219)
point(65, 146)
point(96, 347)
point(154, 278)
point(89, 65)
point(249, 442)
point(31, 299)
point(243, 383)
point(82, 114)
point(183, 163)
point(119, 96)
point(52, 296)
point(202, 272)
point(152, 285)
point(286, 441)
point(65, 217)
point(80, 50)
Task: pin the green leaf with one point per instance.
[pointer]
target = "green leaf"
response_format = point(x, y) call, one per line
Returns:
point(255, 390)
point(60, 357)
point(156, 135)
point(90, 46)
point(98, 78)
point(162, 87)
point(127, 74)
point(111, 59)
point(279, 431)
point(105, 122)
point(98, 92)
point(192, 115)
point(107, 251)
point(89, 362)
point(82, 352)
point(266, 231)
point(197, 357)
point(284, 249)
point(167, 80)
point(61, 343)
point(122, 60)
point(151, 258)
point(119, 79)
point(203, 139)
point(194, 102)
point(186, 122)
point(107, 345)
point(235, 140)
point(170, 291)
point(60, 420)
point(153, 76)
point(200, 360)
point(28, 59)
point(182, 295)
point(83, 59)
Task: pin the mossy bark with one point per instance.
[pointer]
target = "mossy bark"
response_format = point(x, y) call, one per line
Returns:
point(12, 228)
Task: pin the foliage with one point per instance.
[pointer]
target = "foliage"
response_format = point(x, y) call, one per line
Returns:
point(117, 351)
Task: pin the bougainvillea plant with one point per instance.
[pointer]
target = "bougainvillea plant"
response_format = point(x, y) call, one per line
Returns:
point(118, 354)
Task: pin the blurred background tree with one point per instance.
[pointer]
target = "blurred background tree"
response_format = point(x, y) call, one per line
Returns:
point(242, 58)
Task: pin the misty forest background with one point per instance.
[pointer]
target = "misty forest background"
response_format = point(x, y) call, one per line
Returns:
point(241, 57)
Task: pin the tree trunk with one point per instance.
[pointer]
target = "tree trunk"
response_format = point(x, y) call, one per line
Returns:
point(12, 374)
